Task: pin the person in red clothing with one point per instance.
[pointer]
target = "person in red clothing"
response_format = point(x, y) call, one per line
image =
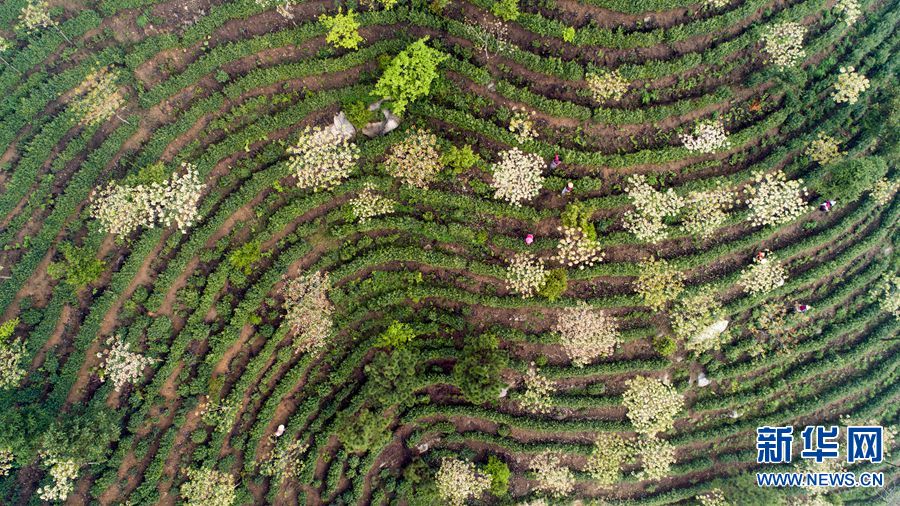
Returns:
point(826, 206)
point(529, 239)
point(567, 189)
point(801, 308)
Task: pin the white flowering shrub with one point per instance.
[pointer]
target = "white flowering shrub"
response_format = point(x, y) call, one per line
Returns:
point(368, 204)
point(63, 474)
point(525, 274)
point(553, 478)
point(219, 414)
point(11, 371)
point(706, 211)
point(657, 457)
point(651, 207)
point(887, 293)
point(308, 310)
point(708, 136)
point(651, 405)
point(884, 190)
point(521, 124)
point(457, 481)
point(773, 200)
point(823, 150)
point(321, 158)
point(98, 97)
point(286, 461)
point(607, 85)
point(605, 462)
point(538, 390)
point(658, 283)
point(208, 487)
point(707, 338)
point(849, 10)
point(123, 209)
point(695, 312)
point(6, 462)
point(849, 86)
point(577, 250)
point(783, 42)
point(714, 497)
point(517, 176)
point(282, 7)
point(35, 15)
point(763, 275)
point(415, 160)
point(718, 4)
point(587, 334)
point(121, 365)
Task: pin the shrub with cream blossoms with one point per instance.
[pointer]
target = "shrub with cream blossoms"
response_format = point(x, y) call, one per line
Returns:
point(123, 209)
point(208, 487)
point(587, 334)
point(457, 481)
point(657, 457)
point(695, 312)
point(887, 293)
point(308, 310)
point(517, 176)
point(552, 477)
point(718, 4)
point(415, 160)
point(849, 86)
point(658, 283)
point(651, 207)
point(286, 461)
point(849, 10)
point(369, 204)
point(708, 136)
point(576, 249)
point(605, 462)
point(607, 85)
point(321, 158)
point(525, 274)
point(783, 43)
point(652, 405)
point(823, 150)
point(11, 371)
point(538, 390)
point(120, 365)
point(714, 497)
point(63, 474)
point(98, 97)
point(521, 124)
point(885, 190)
point(35, 15)
point(706, 211)
point(774, 200)
point(763, 275)
point(6, 462)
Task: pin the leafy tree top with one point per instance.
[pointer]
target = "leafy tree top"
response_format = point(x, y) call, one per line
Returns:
point(409, 75)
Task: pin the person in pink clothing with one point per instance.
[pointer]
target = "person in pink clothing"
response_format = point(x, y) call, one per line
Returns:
point(529, 239)
point(801, 308)
point(826, 206)
point(556, 161)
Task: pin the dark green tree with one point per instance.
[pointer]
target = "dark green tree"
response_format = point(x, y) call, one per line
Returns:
point(848, 179)
point(477, 372)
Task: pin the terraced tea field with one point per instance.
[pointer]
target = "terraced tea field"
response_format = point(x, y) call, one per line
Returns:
point(444, 252)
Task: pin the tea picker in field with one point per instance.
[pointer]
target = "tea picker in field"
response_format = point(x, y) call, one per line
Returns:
point(556, 161)
point(567, 189)
point(801, 308)
point(826, 206)
point(529, 238)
